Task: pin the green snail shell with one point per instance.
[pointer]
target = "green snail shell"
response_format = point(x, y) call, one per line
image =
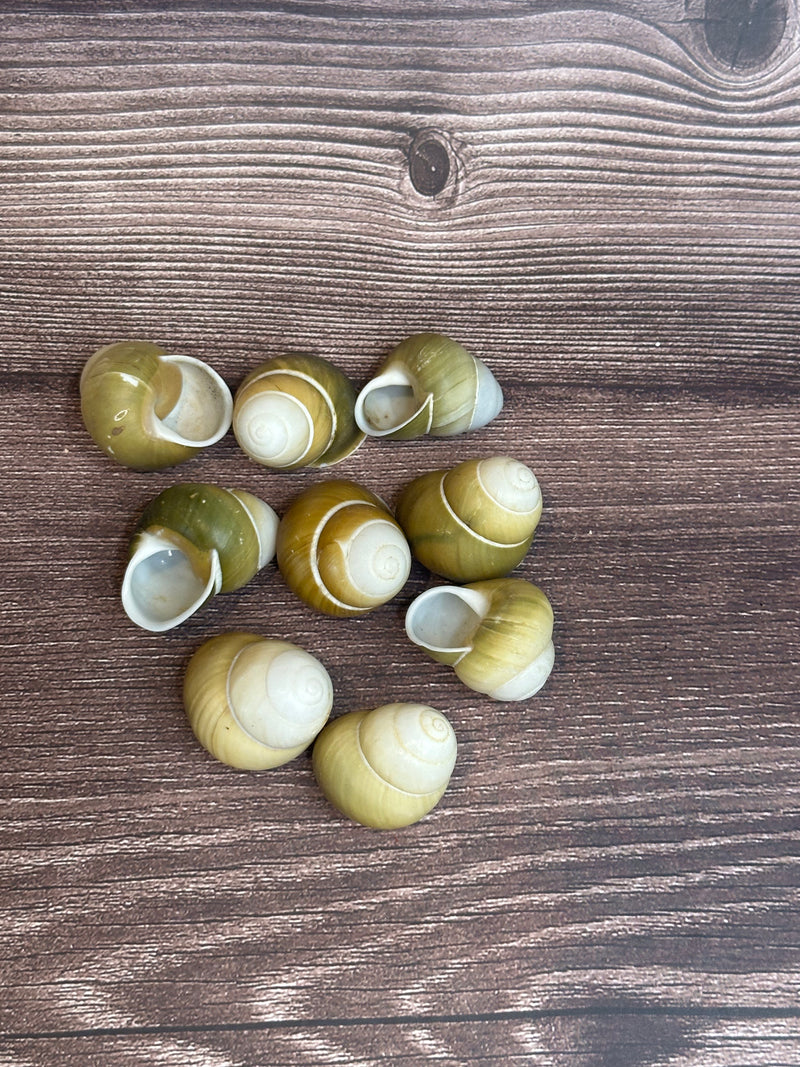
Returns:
point(255, 702)
point(496, 634)
point(340, 550)
point(192, 541)
point(474, 521)
point(149, 409)
point(386, 767)
point(296, 411)
point(428, 384)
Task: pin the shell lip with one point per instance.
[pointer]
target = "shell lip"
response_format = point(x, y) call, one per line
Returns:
point(161, 588)
point(389, 406)
point(442, 620)
point(203, 412)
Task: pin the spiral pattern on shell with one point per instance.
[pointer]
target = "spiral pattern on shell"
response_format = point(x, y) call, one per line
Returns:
point(254, 702)
point(474, 521)
point(340, 550)
point(386, 767)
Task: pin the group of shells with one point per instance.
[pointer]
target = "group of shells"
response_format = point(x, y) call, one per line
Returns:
point(255, 702)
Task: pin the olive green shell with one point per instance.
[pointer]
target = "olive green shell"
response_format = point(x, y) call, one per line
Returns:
point(209, 518)
point(239, 714)
point(322, 430)
point(496, 634)
point(340, 550)
point(149, 410)
point(428, 384)
point(460, 529)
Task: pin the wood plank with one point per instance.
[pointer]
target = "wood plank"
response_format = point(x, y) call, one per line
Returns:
point(614, 871)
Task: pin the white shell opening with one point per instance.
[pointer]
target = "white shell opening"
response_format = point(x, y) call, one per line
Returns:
point(388, 403)
point(530, 680)
point(203, 411)
point(279, 694)
point(445, 618)
point(161, 589)
point(415, 751)
point(489, 398)
point(513, 485)
point(379, 560)
point(274, 428)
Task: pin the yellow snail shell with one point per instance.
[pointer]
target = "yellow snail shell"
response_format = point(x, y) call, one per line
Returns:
point(340, 550)
point(496, 634)
point(192, 541)
point(296, 411)
point(428, 384)
point(386, 767)
point(149, 409)
point(474, 521)
point(254, 702)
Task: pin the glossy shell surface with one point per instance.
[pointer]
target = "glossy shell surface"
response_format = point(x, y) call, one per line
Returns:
point(340, 549)
point(496, 634)
point(296, 411)
point(253, 702)
point(429, 384)
point(192, 541)
point(474, 521)
point(149, 409)
point(386, 767)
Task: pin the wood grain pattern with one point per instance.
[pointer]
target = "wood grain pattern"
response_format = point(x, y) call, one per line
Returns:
point(613, 877)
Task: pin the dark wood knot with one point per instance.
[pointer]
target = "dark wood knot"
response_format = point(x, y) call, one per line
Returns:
point(743, 34)
point(429, 163)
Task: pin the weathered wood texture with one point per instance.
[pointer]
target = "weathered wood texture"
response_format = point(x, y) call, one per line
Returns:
point(613, 876)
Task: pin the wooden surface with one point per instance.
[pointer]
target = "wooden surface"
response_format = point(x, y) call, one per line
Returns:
point(612, 878)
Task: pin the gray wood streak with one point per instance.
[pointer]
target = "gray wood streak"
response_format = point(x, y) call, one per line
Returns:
point(612, 877)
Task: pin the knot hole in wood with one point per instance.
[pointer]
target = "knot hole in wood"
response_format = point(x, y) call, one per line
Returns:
point(431, 163)
point(743, 34)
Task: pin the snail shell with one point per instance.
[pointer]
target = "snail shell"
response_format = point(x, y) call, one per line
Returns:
point(253, 702)
point(295, 411)
point(148, 409)
point(192, 541)
point(474, 521)
point(428, 384)
point(496, 634)
point(387, 767)
point(340, 549)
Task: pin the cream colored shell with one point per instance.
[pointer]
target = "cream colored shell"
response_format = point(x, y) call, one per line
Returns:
point(254, 702)
point(386, 767)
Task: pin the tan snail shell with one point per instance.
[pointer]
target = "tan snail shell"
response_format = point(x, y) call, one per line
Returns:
point(340, 550)
point(474, 521)
point(496, 634)
point(192, 541)
point(149, 409)
point(255, 702)
point(296, 411)
point(428, 384)
point(386, 767)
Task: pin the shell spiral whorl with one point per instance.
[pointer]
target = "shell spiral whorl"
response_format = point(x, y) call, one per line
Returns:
point(386, 767)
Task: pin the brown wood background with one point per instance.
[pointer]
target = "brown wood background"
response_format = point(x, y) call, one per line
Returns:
point(613, 877)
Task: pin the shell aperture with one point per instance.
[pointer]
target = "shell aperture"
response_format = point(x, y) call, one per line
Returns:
point(149, 409)
point(194, 540)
